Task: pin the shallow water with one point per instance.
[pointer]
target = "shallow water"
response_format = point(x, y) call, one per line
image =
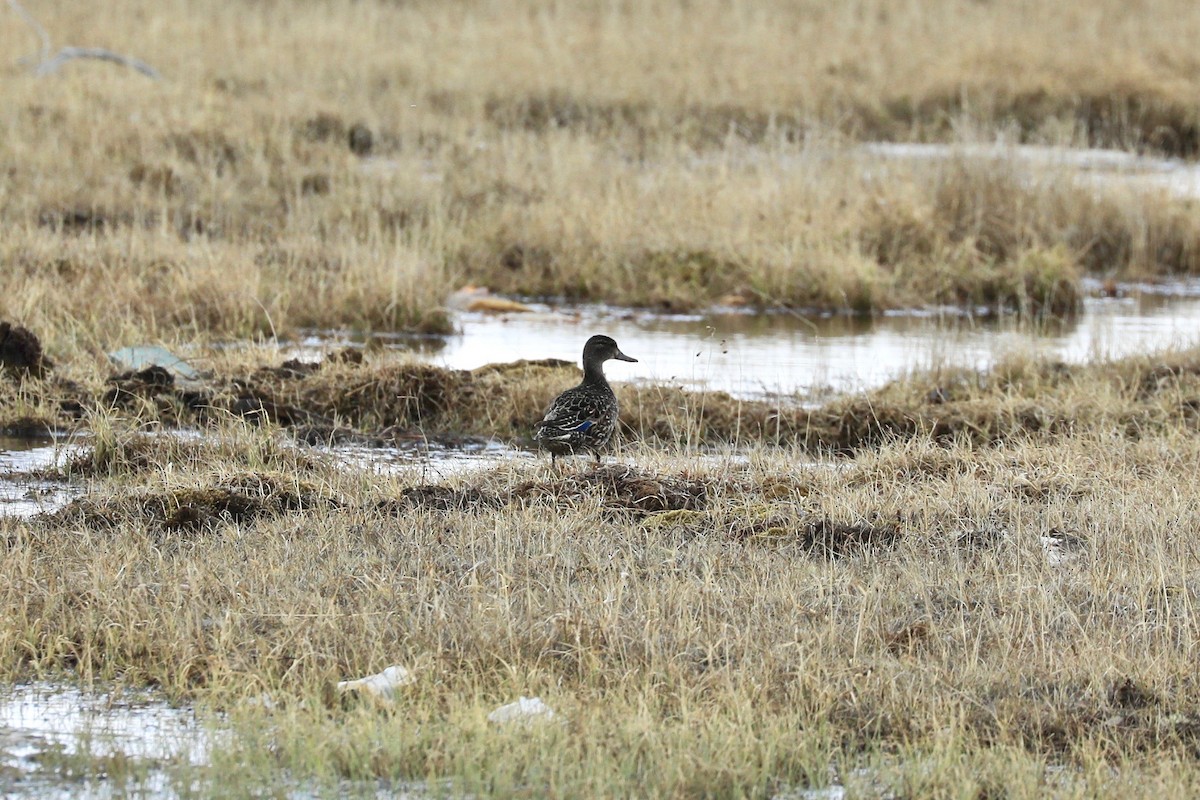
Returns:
point(1087, 165)
point(22, 494)
point(426, 465)
point(55, 742)
point(782, 354)
point(755, 356)
point(59, 741)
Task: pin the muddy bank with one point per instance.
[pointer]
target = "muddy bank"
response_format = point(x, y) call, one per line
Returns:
point(395, 404)
point(349, 399)
point(21, 353)
point(249, 483)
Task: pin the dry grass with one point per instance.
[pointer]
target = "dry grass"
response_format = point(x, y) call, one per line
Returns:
point(990, 592)
point(997, 586)
point(642, 155)
point(954, 619)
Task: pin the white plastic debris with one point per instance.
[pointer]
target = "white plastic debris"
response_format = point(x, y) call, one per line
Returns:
point(144, 356)
point(526, 710)
point(382, 685)
point(1061, 549)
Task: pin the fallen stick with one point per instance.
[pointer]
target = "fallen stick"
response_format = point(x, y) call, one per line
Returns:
point(69, 53)
point(47, 64)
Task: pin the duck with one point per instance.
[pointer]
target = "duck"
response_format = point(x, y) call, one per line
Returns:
point(583, 418)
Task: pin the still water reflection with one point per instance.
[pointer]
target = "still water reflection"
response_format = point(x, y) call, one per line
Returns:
point(22, 491)
point(758, 355)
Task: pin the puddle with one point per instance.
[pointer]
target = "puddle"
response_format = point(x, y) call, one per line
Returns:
point(1102, 167)
point(22, 495)
point(782, 354)
point(832, 792)
point(63, 742)
point(426, 464)
point(756, 356)
point(1088, 165)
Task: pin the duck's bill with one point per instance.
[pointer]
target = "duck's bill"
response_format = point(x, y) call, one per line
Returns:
point(622, 357)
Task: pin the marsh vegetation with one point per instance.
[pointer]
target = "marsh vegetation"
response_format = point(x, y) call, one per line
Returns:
point(965, 583)
point(660, 156)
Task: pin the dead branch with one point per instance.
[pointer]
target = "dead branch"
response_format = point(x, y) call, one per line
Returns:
point(69, 53)
point(47, 64)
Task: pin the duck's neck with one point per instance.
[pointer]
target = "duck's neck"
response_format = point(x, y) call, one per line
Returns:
point(593, 372)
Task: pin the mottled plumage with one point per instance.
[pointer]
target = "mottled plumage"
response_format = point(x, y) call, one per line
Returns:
point(583, 418)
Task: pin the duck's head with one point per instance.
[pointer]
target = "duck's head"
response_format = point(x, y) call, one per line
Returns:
point(601, 348)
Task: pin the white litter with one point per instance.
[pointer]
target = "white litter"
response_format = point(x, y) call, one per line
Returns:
point(1061, 549)
point(526, 710)
point(382, 685)
point(144, 356)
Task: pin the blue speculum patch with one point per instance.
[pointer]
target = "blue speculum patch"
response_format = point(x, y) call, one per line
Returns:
point(583, 426)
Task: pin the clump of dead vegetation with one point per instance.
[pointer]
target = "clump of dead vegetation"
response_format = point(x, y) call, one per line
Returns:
point(234, 501)
point(381, 400)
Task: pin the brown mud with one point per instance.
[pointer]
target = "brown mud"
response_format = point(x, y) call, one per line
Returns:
point(21, 352)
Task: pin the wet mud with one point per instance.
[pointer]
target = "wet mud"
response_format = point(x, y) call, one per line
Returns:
point(21, 352)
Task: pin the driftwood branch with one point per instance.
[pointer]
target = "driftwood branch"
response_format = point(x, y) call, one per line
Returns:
point(47, 64)
point(68, 53)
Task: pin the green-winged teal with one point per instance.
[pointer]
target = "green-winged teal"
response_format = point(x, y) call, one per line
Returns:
point(583, 418)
